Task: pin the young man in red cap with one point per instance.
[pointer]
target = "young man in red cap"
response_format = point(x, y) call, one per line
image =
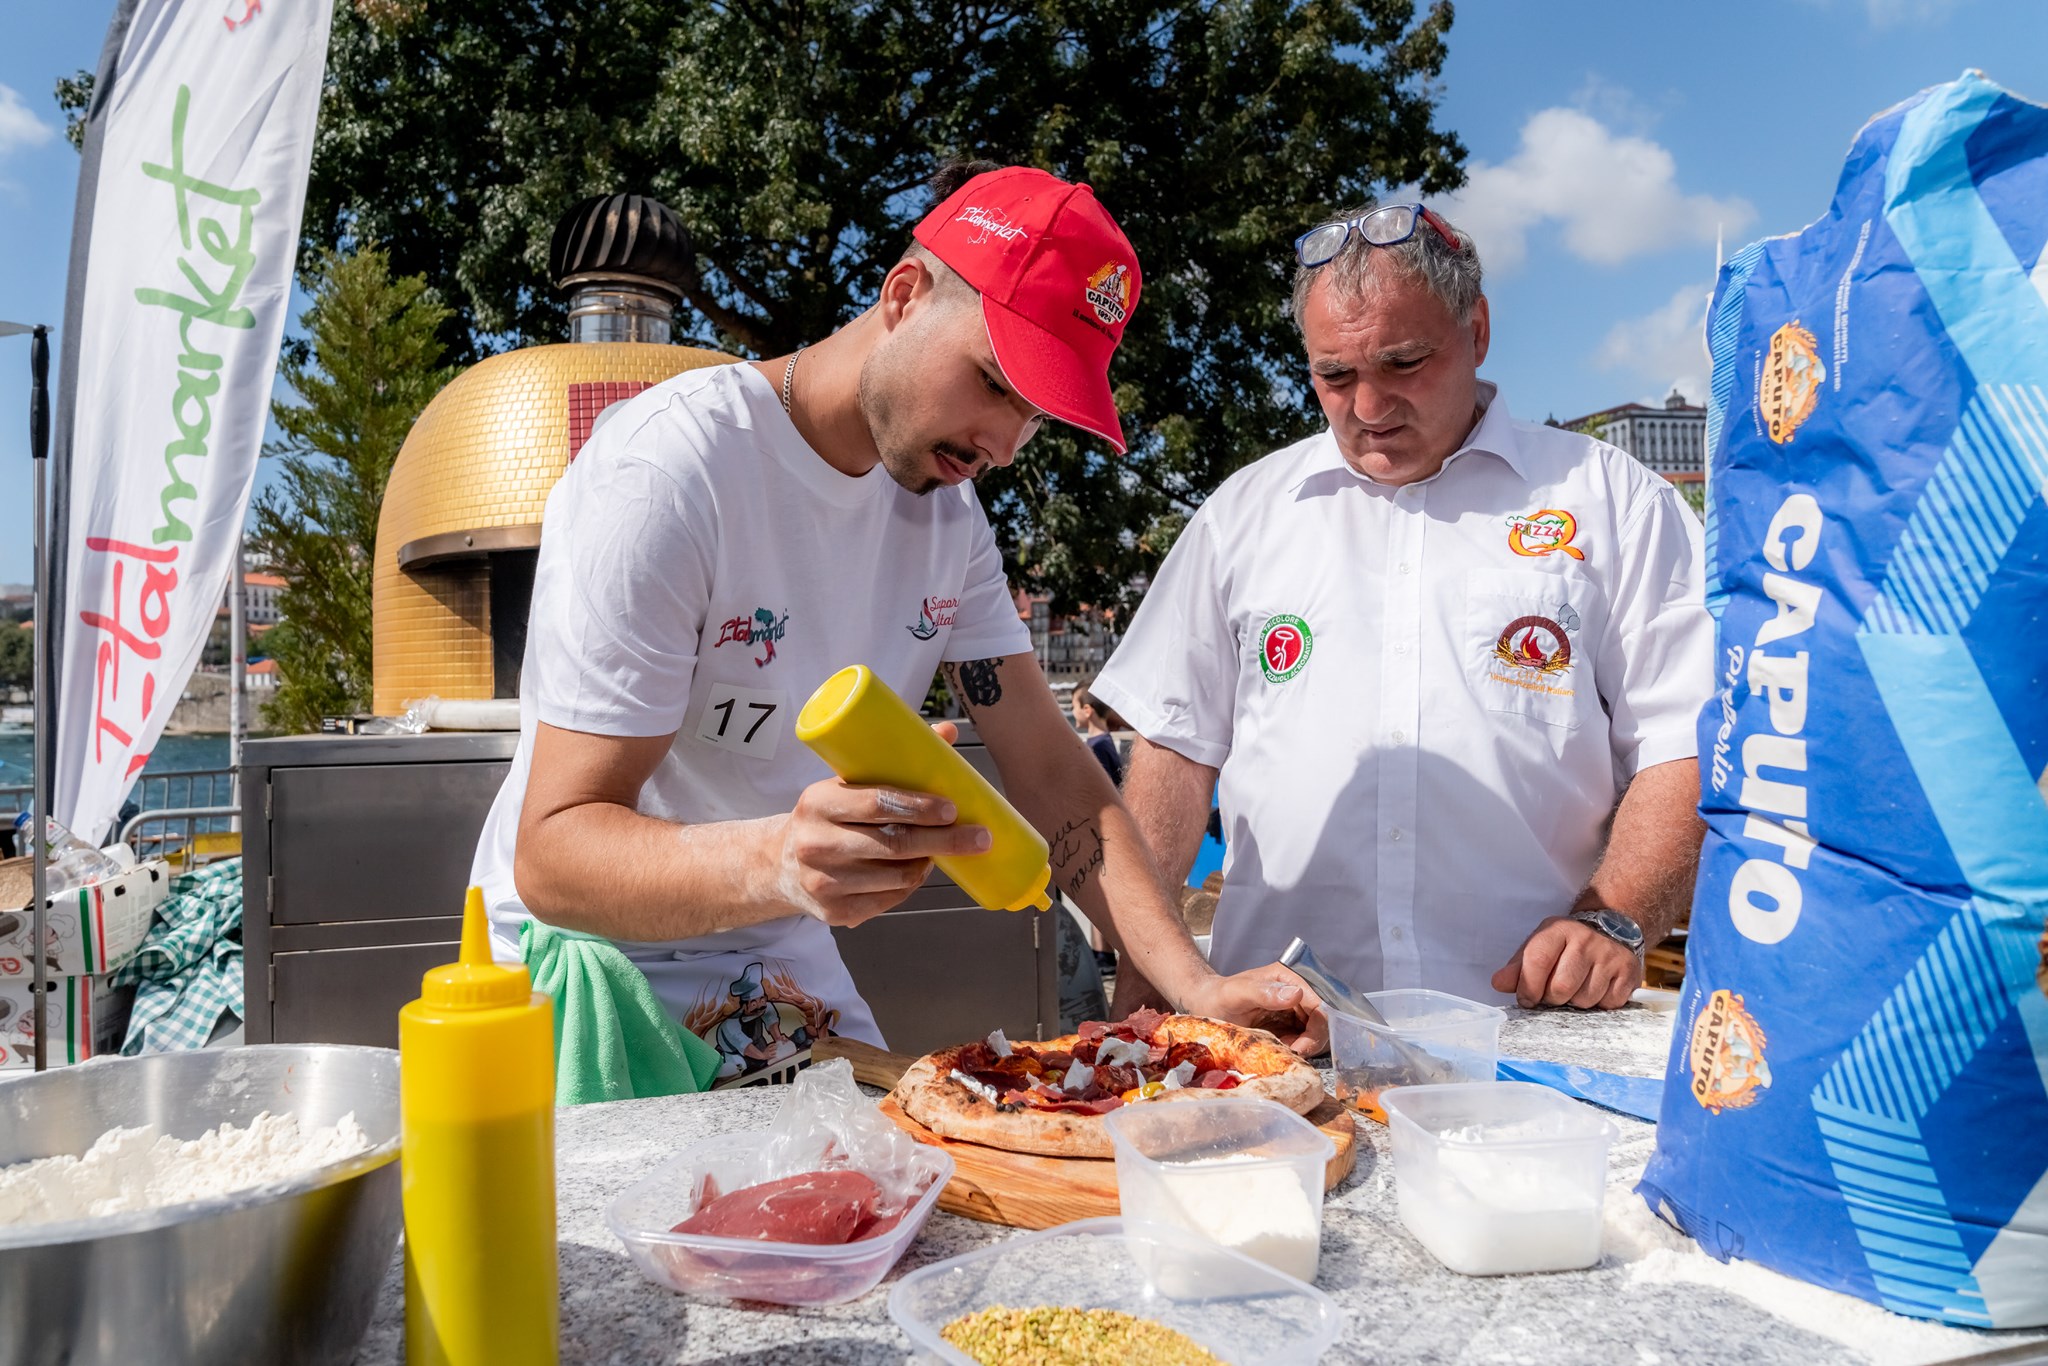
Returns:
point(730, 538)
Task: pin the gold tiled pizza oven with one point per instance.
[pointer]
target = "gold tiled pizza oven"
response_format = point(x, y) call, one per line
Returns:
point(459, 530)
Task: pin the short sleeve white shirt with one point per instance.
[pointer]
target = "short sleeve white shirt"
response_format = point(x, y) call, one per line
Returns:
point(702, 570)
point(1424, 701)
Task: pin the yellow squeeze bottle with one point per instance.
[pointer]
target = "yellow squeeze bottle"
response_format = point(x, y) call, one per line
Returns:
point(859, 726)
point(477, 1110)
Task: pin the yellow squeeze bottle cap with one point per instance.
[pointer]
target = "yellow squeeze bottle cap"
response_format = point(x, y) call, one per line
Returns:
point(476, 982)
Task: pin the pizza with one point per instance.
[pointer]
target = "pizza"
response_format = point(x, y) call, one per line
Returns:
point(1050, 1097)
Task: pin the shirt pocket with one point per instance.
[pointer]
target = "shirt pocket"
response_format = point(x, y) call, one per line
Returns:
point(1527, 645)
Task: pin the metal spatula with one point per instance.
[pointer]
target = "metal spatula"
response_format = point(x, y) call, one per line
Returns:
point(1339, 996)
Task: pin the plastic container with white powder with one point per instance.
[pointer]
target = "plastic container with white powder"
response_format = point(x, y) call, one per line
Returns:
point(1240, 1171)
point(1496, 1178)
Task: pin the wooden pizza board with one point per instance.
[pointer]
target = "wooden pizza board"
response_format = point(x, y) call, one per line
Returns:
point(1027, 1190)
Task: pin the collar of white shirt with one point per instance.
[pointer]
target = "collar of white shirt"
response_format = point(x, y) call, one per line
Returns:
point(1493, 434)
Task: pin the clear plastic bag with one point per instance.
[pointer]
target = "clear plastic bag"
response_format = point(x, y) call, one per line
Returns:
point(826, 1124)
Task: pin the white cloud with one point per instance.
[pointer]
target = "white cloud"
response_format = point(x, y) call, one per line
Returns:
point(1891, 13)
point(1613, 196)
point(1616, 105)
point(1888, 13)
point(1666, 347)
point(19, 127)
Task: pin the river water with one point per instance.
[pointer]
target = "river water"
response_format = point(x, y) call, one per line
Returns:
point(173, 753)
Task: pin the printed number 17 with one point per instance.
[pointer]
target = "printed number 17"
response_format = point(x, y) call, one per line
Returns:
point(767, 709)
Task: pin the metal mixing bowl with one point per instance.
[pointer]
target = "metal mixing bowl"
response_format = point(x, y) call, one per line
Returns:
point(283, 1273)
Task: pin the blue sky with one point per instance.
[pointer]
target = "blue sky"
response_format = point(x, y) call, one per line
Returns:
point(1609, 143)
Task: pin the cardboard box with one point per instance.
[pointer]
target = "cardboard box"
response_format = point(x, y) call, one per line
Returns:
point(84, 1018)
point(91, 929)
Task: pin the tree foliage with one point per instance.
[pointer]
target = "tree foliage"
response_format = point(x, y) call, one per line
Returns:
point(793, 138)
point(17, 655)
point(74, 96)
point(367, 366)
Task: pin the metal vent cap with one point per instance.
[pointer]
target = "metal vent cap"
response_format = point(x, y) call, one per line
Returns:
point(623, 238)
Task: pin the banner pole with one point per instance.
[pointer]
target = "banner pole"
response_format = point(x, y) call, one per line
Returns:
point(238, 674)
point(39, 742)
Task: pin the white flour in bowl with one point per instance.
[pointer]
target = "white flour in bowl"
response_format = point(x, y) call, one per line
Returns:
point(142, 1168)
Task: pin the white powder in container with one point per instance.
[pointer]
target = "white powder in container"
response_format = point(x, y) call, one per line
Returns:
point(142, 1168)
point(1486, 1210)
point(1254, 1206)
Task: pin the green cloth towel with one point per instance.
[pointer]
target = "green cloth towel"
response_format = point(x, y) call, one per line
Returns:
point(187, 972)
point(613, 1041)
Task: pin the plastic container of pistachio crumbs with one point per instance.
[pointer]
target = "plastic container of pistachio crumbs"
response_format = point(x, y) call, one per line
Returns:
point(1237, 1310)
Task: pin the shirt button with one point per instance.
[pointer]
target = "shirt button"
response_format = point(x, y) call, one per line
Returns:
point(1400, 737)
point(1396, 836)
point(1403, 566)
point(1401, 648)
point(1397, 934)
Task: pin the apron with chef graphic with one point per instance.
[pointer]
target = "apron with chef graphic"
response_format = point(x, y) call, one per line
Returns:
point(760, 996)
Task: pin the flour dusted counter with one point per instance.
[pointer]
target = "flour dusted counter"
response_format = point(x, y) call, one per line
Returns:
point(1646, 1304)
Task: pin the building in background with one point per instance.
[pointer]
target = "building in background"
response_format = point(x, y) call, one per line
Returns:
point(261, 590)
point(1672, 440)
point(259, 598)
point(1070, 649)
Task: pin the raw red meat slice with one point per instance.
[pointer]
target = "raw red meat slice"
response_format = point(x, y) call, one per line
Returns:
point(813, 1207)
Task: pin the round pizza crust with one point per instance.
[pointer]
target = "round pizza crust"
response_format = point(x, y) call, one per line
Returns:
point(929, 1096)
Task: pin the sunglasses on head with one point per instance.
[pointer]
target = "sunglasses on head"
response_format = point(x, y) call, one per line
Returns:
point(1387, 226)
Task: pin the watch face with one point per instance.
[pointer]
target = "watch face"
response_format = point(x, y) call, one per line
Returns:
point(1615, 926)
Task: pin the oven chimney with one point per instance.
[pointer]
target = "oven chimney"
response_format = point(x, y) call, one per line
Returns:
point(622, 259)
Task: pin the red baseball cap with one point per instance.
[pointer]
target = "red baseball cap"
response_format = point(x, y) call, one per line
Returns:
point(1058, 281)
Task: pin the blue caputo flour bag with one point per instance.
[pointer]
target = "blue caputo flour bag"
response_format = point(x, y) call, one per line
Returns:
point(1858, 1089)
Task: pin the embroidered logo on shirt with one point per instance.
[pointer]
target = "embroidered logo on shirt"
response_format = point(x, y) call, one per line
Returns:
point(1726, 1055)
point(933, 614)
point(1284, 647)
point(1790, 383)
point(1109, 292)
point(763, 628)
point(1533, 653)
point(1546, 531)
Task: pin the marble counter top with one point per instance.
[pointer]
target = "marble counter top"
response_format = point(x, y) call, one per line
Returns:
point(1403, 1306)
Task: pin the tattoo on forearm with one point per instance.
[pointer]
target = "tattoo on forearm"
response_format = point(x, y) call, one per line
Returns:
point(975, 681)
point(1076, 854)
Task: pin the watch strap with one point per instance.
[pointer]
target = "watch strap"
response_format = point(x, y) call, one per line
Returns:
point(1601, 918)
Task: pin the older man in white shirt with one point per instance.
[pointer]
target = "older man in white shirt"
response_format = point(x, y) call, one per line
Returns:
point(1447, 664)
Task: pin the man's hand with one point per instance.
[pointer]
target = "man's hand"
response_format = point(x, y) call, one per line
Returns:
point(1270, 998)
point(1568, 962)
point(846, 854)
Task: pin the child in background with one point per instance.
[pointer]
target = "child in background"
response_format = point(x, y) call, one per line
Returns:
point(1096, 722)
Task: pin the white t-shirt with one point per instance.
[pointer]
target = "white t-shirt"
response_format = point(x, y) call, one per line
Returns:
point(702, 570)
point(1424, 700)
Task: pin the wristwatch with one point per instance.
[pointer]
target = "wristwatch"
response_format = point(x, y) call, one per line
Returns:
point(1615, 926)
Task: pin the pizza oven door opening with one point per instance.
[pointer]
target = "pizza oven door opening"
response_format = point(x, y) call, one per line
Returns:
point(482, 581)
point(511, 603)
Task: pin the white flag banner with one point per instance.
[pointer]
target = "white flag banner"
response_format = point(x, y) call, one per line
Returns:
point(203, 140)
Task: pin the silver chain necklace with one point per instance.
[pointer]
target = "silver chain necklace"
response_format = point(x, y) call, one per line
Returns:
point(789, 374)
